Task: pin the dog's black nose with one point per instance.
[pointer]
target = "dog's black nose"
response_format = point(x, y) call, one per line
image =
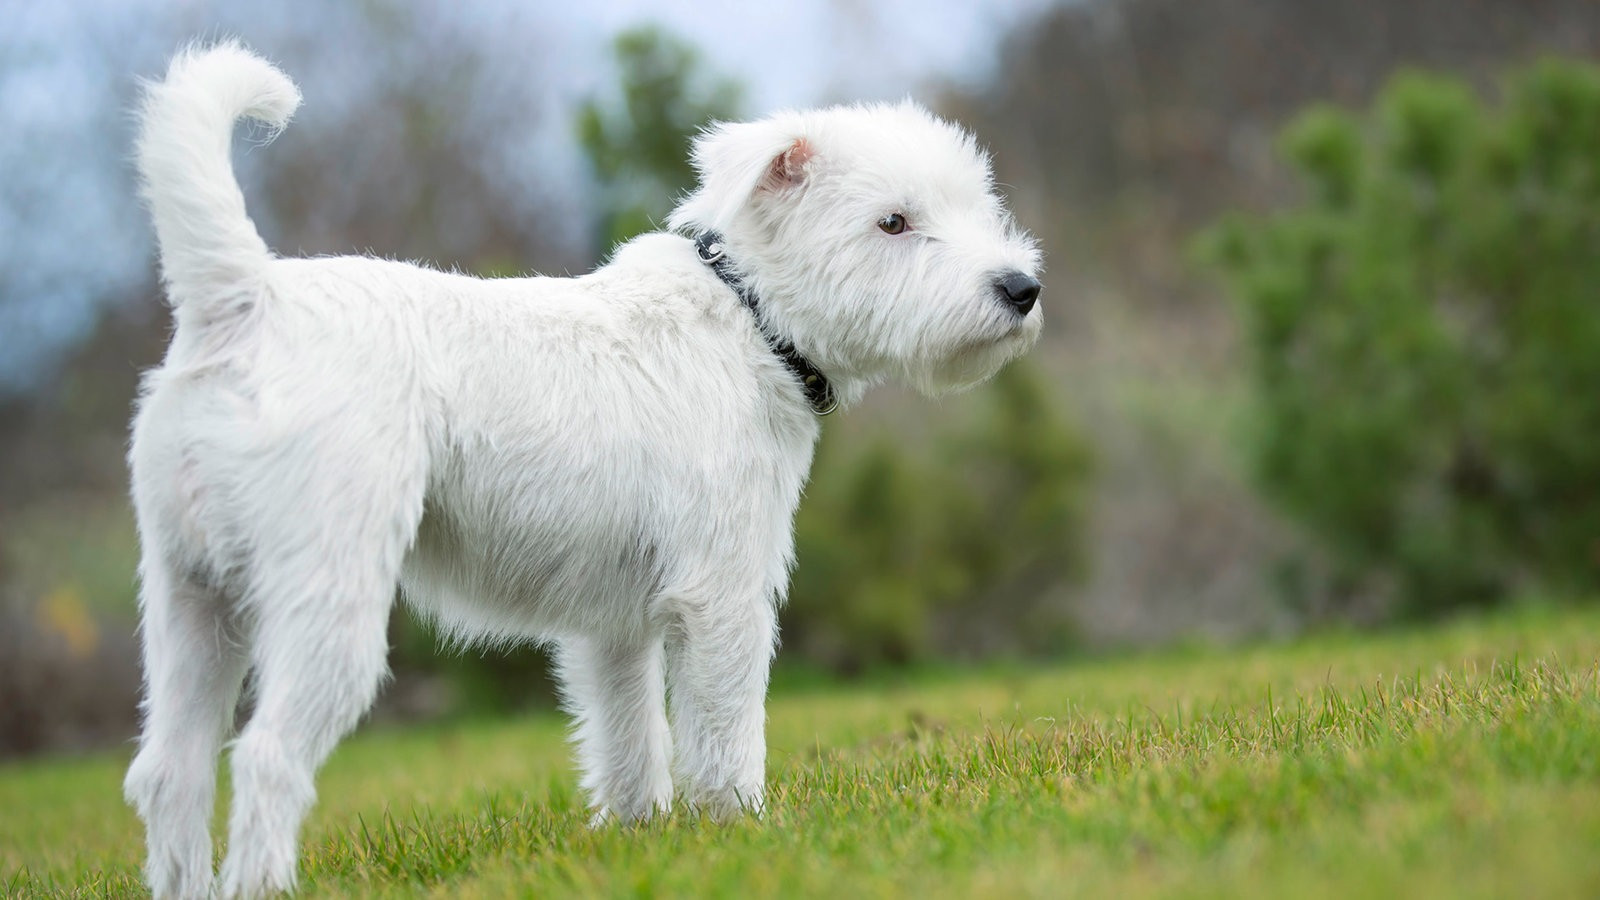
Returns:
point(1019, 290)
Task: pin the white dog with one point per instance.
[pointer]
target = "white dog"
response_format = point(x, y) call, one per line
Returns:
point(608, 463)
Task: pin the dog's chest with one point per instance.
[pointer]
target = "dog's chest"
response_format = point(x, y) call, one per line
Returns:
point(546, 544)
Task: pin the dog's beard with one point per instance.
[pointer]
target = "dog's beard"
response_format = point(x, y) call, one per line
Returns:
point(972, 363)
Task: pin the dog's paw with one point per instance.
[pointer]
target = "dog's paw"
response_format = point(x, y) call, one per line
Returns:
point(729, 804)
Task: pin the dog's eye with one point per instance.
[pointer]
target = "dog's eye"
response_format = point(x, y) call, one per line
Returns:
point(893, 223)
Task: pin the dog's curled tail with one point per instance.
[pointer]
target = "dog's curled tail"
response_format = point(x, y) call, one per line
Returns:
point(211, 253)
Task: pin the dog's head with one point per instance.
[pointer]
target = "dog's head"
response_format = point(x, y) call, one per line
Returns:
point(875, 240)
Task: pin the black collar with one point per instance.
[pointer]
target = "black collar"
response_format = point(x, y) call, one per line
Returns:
point(819, 393)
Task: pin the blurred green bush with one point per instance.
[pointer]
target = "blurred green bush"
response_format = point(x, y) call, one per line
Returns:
point(638, 140)
point(944, 544)
point(1425, 335)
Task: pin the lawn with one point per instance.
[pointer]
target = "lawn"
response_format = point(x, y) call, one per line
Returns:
point(1456, 761)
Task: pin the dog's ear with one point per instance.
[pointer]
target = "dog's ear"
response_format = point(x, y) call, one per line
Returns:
point(737, 162)
point(788, 169)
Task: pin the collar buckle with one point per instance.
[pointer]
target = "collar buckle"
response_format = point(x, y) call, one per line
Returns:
point(708, 245)
point(710, 248)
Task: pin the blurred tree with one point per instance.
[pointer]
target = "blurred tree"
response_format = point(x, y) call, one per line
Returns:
point(1426, 336)
point(1127, 124)
point(638, 142)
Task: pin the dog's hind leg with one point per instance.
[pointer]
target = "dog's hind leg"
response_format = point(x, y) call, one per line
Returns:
point(193, 667)
point(615, 694)
point(319, 658)
point(330, 529)
point(718, 658)
point(319, 654)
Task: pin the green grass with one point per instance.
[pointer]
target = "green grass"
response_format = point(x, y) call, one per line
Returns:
point(1459, 761)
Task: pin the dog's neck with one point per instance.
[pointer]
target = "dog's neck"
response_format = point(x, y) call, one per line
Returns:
point(818, 390)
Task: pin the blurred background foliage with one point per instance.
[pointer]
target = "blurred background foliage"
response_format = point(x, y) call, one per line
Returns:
point(1321, 332)
point(954, 545)
point(1425, 337)
point(638, 142)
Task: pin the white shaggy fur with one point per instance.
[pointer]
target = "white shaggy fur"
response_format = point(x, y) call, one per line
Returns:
point(608, 463)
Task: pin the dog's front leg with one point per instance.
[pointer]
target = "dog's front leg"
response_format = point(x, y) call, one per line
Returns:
point(718, 660)
point(614, 692)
